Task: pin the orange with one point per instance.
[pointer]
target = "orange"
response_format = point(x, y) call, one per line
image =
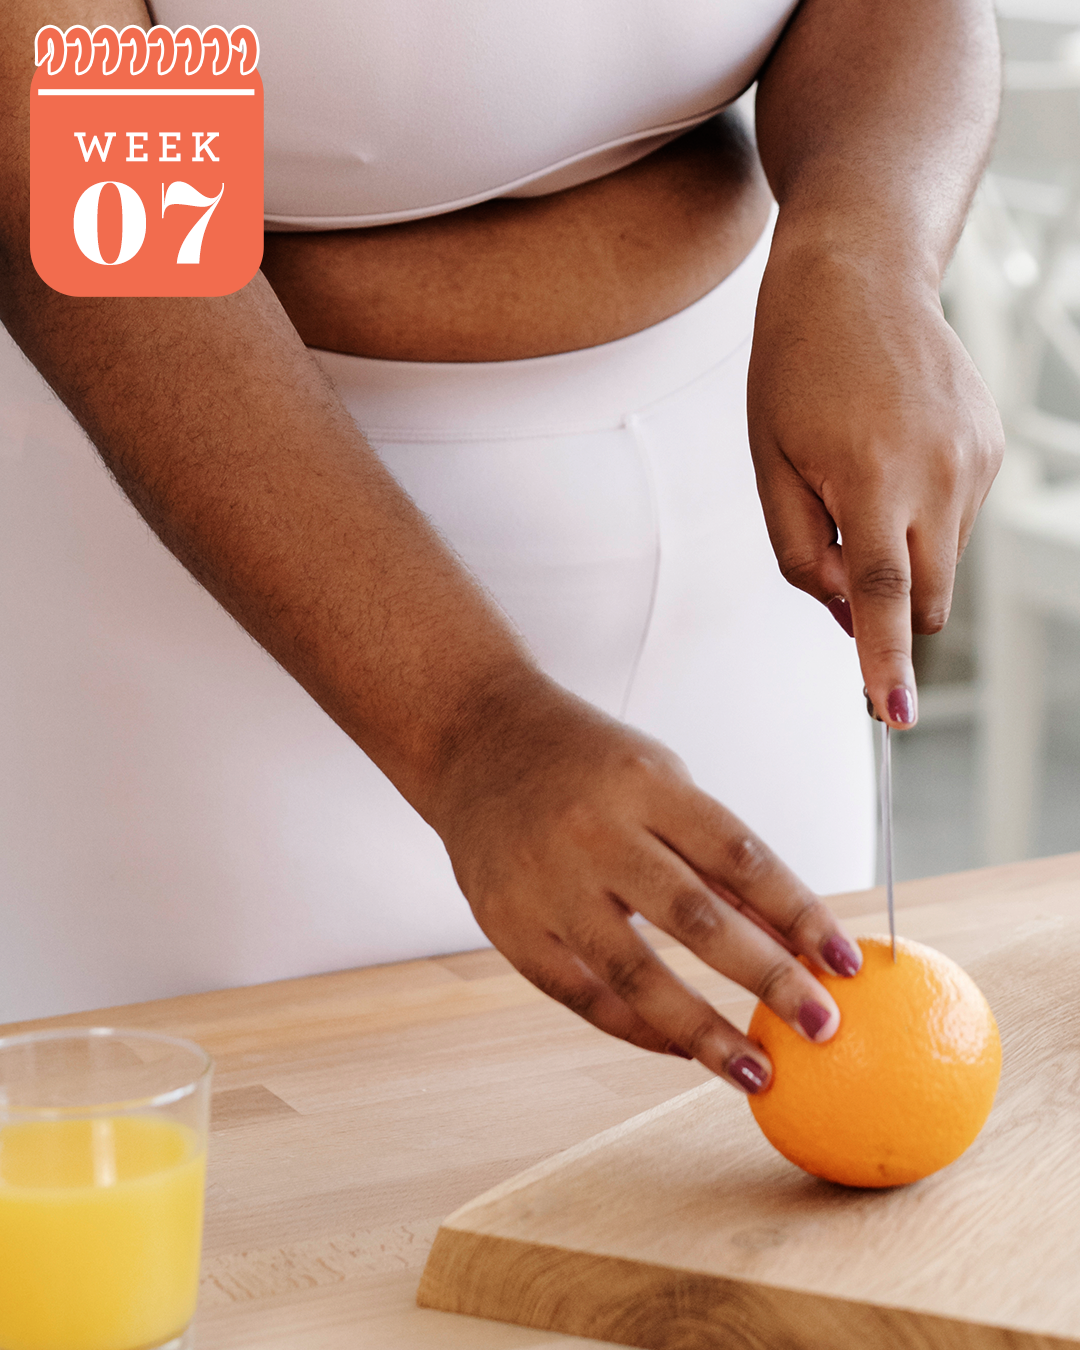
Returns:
point(903, 1087)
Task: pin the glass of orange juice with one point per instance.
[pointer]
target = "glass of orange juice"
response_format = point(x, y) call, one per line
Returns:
point(102, 1173)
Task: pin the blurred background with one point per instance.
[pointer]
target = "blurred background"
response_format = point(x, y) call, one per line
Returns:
point(992, 772)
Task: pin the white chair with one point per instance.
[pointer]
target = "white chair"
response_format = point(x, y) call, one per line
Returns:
point(1014, 300)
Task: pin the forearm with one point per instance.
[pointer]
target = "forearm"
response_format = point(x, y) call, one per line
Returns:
point(220, 427)
point(223, 431)
point(874, 440)
point(874, 122)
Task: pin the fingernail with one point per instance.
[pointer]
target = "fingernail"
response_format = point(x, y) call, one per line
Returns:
point(901, 705)
point(839, 608)
point(747, 1073)
point(812, 1017)
point(672, 1049)
point(842, 956)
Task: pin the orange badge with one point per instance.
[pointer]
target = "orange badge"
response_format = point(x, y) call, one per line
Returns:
point(146, 160)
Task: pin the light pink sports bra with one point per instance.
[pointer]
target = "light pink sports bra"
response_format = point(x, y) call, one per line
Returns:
point(388, 110)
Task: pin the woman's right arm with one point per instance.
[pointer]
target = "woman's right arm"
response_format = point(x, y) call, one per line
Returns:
point(222, 430)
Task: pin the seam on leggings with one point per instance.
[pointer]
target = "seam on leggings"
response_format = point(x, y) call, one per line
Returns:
point(435, 435)
point(657, 402)
point(632, 424)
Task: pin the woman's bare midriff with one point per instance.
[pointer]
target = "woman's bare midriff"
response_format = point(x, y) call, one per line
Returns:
point(519, 277)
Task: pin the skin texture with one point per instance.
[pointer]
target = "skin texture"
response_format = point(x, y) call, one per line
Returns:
point(514, 278)
point(559, 821)
point(867, 417)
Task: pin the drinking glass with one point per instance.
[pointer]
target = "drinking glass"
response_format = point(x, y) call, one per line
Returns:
point(102, 1174)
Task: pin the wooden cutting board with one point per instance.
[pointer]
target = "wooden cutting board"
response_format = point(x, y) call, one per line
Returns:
point(683, 1229)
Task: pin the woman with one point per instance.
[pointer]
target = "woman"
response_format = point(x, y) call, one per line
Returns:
point(556, 380)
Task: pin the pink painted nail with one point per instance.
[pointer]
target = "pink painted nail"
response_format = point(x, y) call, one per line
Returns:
point(901, 705)
point(843, 956)
point(839, 608)
point(747, 1073)
point(812, 1017)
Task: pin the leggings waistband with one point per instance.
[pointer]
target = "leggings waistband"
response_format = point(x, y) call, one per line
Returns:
point(586, 390)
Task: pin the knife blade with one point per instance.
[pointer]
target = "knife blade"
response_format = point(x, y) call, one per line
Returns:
point(885, 795)
point(885, 807)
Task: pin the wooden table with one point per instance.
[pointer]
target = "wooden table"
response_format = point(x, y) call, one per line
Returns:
point(353, 1111)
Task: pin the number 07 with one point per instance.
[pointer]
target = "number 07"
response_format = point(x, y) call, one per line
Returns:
point(133, 221)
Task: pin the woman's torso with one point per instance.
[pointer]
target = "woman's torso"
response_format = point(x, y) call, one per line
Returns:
point(454, 150)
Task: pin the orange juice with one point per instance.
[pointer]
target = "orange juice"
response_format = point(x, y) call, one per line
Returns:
point(100, 1231)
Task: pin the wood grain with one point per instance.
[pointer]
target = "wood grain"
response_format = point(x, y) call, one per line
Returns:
point(353, 1111)
point(683, 1227)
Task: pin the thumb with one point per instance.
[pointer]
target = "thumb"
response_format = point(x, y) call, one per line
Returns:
point(803, 535)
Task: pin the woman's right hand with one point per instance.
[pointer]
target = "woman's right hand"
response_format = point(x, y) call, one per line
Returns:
point(563, 823)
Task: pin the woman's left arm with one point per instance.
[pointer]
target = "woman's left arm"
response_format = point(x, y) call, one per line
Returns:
point(874, 439)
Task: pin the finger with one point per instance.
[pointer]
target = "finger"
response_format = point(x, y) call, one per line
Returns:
point(934, 550)
point(878, 590)
point(839, 608)
point(744, 872)
point(813, 933)
point(674, 898)
point(557, 972)
point(620, 957)
point(801, 531)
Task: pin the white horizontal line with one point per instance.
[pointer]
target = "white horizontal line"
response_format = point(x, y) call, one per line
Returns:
point(143, 93)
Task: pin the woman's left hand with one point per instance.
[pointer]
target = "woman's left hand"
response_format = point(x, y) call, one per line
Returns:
point(875, 443)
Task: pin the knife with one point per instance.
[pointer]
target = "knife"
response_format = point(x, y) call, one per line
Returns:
point(885, 803)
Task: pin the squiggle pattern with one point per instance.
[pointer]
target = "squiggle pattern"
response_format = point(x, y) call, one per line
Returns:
point(52, 45)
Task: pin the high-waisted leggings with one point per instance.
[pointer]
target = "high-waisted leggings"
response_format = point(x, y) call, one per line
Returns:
point(176, 814)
